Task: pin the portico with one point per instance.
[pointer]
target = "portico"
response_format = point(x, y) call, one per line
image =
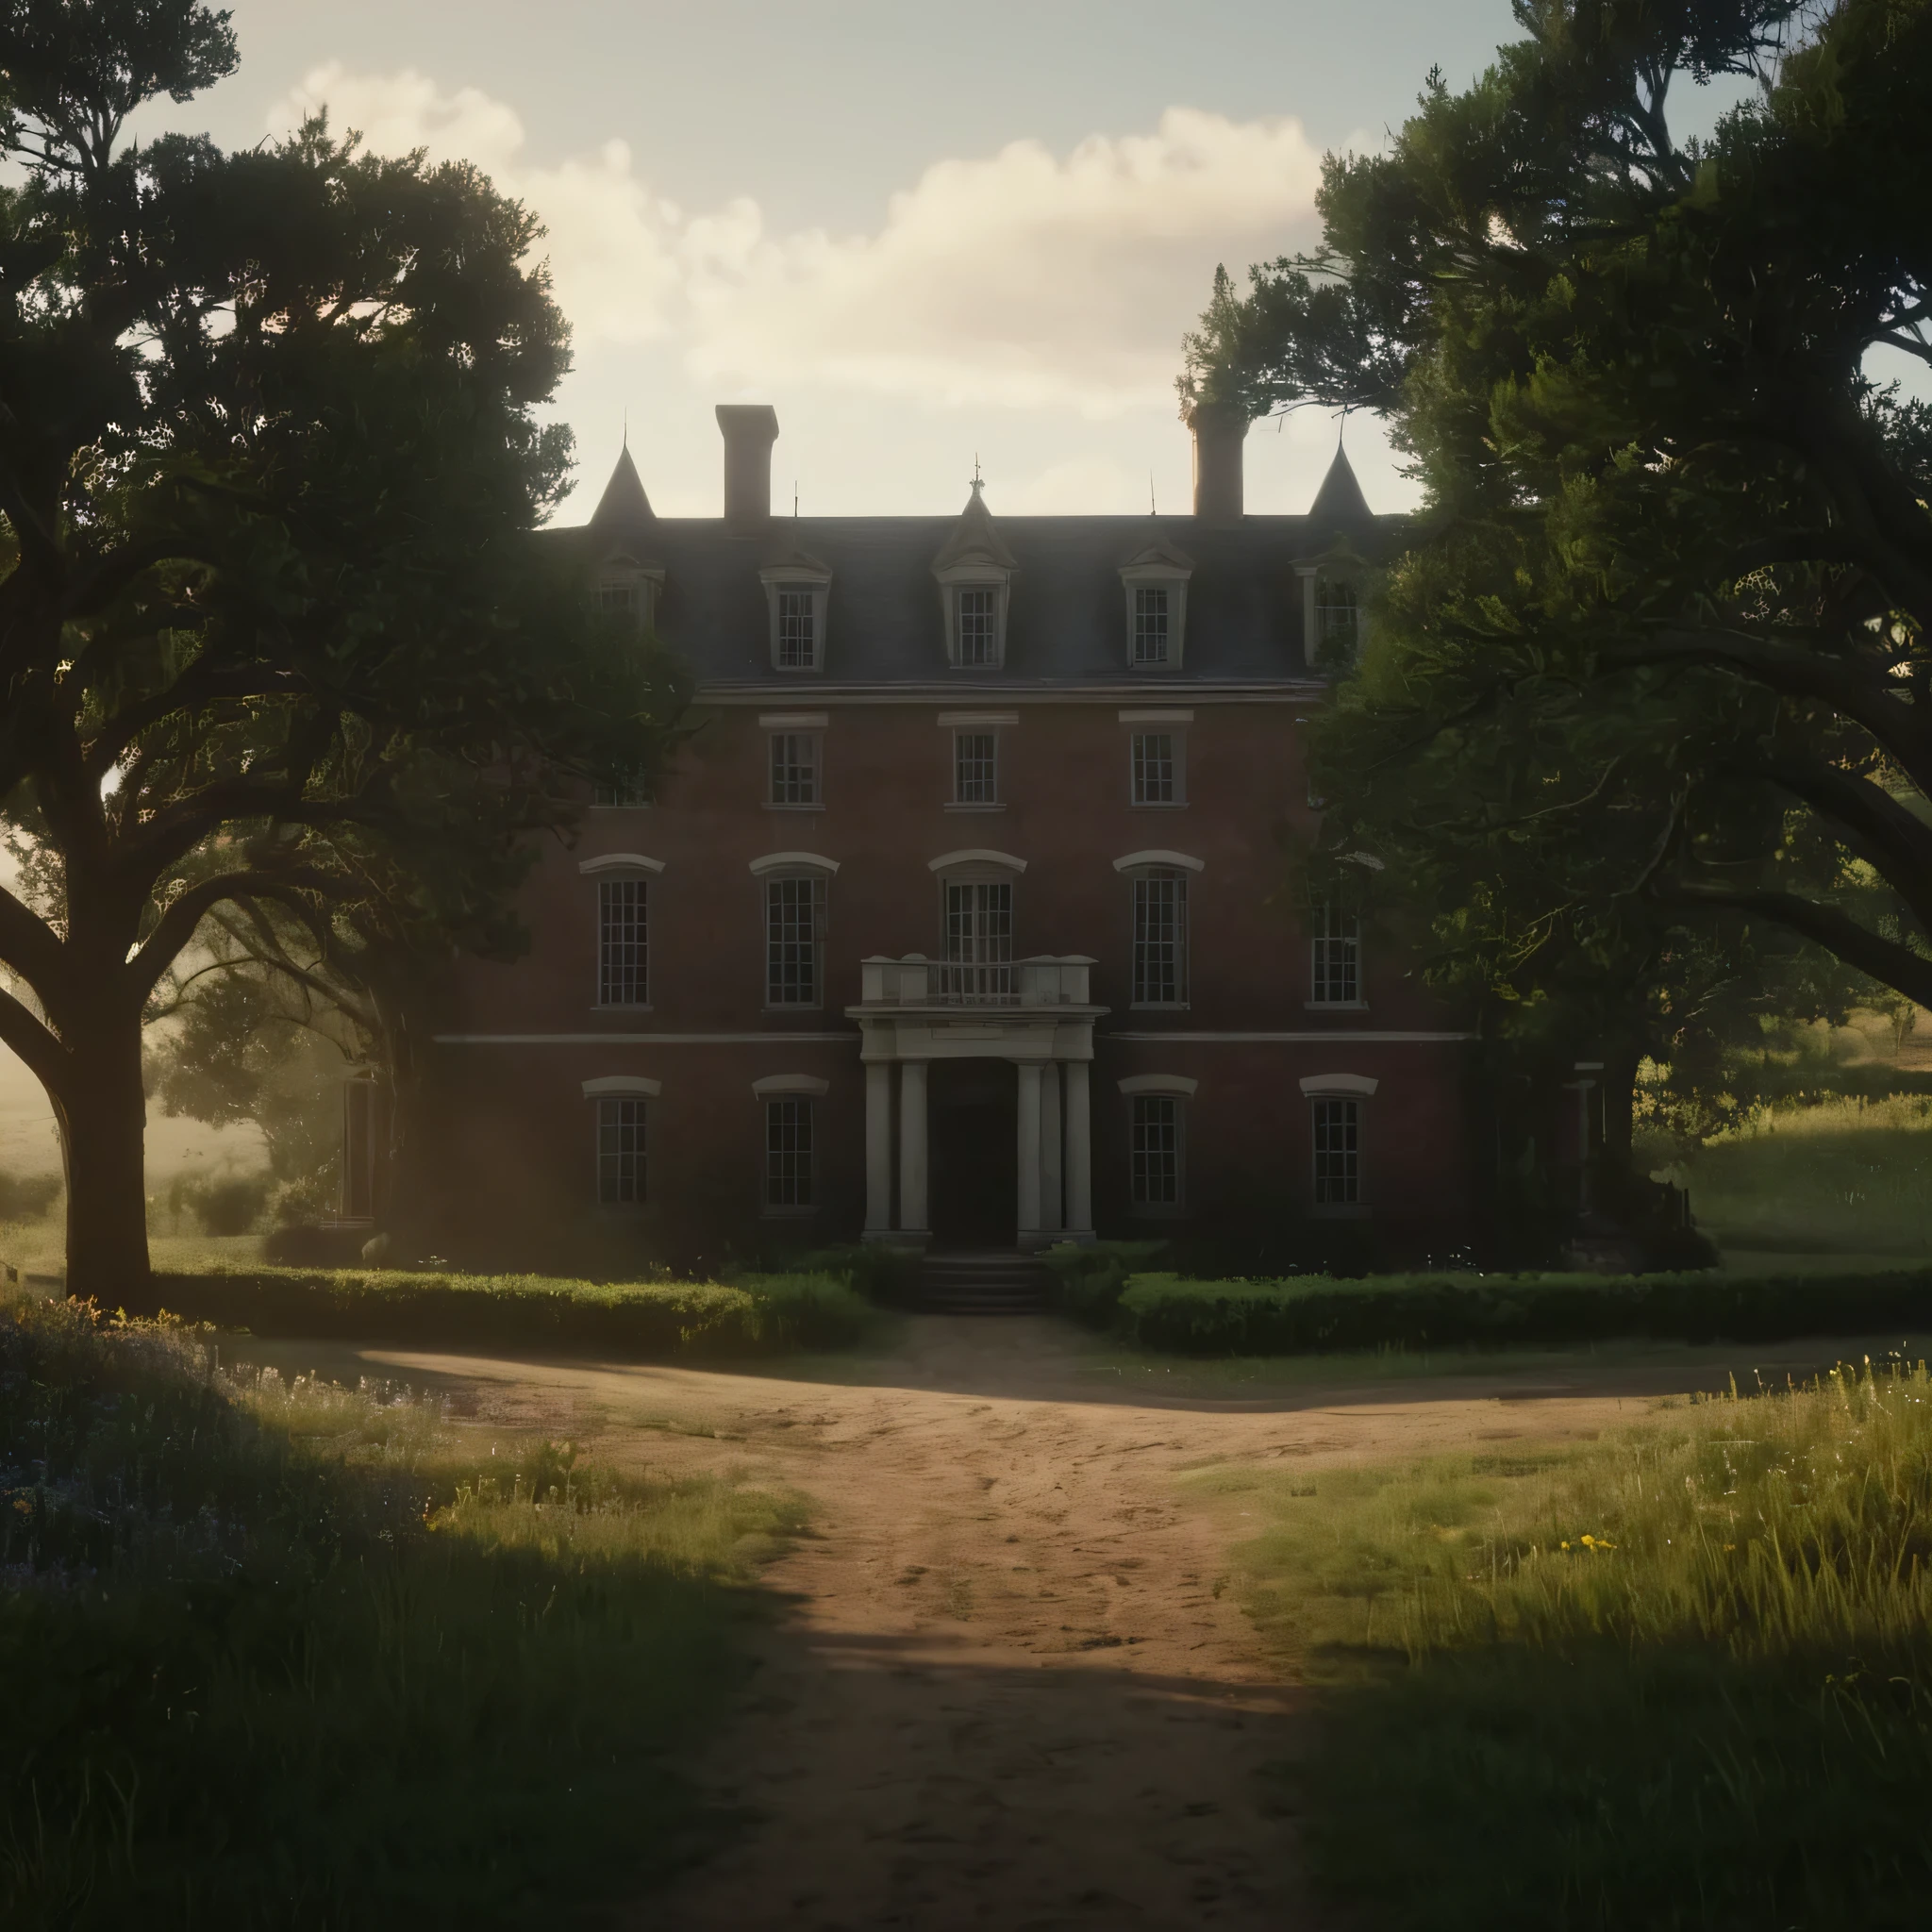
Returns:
point(1034, 1014)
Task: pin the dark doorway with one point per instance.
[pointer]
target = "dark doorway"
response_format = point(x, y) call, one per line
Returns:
point(975, 1186)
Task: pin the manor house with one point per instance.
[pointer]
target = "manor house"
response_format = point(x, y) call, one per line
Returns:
point(963, 917)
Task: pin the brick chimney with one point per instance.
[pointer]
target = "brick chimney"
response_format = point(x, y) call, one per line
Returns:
point(1219, 433)
point(749, 429)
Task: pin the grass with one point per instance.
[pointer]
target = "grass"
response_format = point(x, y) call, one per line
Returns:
point(284, 1654)
point(1680, 1680)
point(1846, 1175)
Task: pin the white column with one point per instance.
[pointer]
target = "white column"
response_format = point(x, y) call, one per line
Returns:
point(1079, 1153)
point(912, 1147)
point(879, 1147)
point(1051, 1199)
point(1029, 1149)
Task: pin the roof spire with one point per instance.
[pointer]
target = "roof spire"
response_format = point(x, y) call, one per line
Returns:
point(624, 500)
point(978, 481)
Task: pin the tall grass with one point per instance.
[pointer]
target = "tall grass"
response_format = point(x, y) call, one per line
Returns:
point(1850, 1175)
point(1683, 1679)
point(285, 1653)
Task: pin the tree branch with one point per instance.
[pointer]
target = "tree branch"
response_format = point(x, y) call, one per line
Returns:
point(177, 927)
point(42, 1054)
point(1886, 960)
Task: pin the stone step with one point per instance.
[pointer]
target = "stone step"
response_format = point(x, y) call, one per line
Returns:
point(1001, 1282)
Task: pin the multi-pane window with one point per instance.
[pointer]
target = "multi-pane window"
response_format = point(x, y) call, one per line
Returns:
point(623, 942)
point(794, 768)
point(1161, 938)
point(1337, 1153)
point(633, 789)
point(794, 941)
point(619, 1151)
point(976, 768)
point(798, 641)
point(621, 597)
point(979, 941)
point(1156, 1151)
point(1336, 958)
point(979, 626)
point(1337, 625)
point(1157, 768)
point(787, 1154)
point(1150, 623)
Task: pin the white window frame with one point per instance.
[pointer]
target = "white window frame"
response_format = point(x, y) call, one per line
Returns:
point(618, 869)
point(975, 577)
point(989, 800)
point(1314, 577)
point(1142, 878)
point(816, 583)
point(814, 744)
point(1335, 957)
point(626, 587)
point(612, 1098)
point(1352, 1091)
point(1173, 578)
point(771, 884)
point(1177, 759)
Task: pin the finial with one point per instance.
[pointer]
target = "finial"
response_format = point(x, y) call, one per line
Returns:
point(1151, 511)
point(978, 481)
point(626, 425)
point(794, 499)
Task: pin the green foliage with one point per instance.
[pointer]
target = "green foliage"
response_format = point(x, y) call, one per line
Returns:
point(1089, 1278)
point(1682, 1679)
point(27, 1197)
point(651, 1321)
point(882, 1273)
point(223, 1204)
point(292, 1654)
point(1315, 1314)
point(1629, 721)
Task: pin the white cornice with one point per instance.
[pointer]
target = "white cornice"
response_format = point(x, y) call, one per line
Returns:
point(952, 692)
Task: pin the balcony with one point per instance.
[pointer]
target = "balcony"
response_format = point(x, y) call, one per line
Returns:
point(1046, 980)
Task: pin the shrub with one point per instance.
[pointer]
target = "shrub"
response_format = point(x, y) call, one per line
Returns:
point(1314, 1313)
point(223, 1204)
point(27, 1197)
point(882, 1273)
point(1089, 1277)
point(647, 1320)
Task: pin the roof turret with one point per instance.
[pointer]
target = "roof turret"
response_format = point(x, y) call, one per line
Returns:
point(974, 540)
point(624, 500)
point(1339, 500)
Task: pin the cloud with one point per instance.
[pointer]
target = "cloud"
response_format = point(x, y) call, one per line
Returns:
point(1021, 279)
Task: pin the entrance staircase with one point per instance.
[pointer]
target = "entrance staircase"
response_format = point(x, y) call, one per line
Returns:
point(983, 1282)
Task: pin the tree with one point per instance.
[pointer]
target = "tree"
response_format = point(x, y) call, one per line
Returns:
point(1653, 680)
point(273, 635)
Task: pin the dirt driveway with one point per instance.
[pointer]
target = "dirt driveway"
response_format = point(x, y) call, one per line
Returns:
point(1015, 1692)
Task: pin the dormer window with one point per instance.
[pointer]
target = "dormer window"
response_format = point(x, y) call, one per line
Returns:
point(978, 627)
point(1338, 627)
point(797, 589)
point(975, 570)
point(1155, 581)
point(628, 589)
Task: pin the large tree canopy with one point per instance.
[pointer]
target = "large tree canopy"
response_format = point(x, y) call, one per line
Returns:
point(272, 636)
point(1654, 670)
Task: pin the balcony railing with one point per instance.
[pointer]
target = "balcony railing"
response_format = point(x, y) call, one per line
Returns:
point(955, 983)
point(917, 981)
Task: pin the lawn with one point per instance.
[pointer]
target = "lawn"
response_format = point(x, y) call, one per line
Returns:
point(1680, 1680)
point(288, 1653)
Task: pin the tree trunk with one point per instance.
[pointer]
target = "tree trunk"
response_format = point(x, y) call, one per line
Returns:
point(102, 1118)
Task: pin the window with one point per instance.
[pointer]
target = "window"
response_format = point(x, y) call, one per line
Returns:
point(798, 641)
point(1336, 628)
point(619, 1151)
point(787, 1154)
point(794, 941)
point(1335, 951)
point(1157, 768)
point(979, 642)
point(1150, 623)
point(1161, 938)
point(623, 942)
point(627, 592)
point(976, 768)
point(978, 965)
point(1337, 1153)
point(1156, 1151)
point(633, 790)
point(794, 768)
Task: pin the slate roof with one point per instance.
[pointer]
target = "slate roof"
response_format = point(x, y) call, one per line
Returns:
point(1067, 621)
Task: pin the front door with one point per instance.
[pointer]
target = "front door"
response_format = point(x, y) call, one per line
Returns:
point(972, 1128)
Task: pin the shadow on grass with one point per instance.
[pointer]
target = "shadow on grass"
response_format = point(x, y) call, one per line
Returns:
point(292, 1655)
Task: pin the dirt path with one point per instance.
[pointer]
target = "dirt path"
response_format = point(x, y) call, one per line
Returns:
point(1014, 1692)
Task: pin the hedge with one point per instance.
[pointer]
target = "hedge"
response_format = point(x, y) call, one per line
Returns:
point(1308, 1314)
point(761, 1315)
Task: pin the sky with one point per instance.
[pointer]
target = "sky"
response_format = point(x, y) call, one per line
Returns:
point(926, 234)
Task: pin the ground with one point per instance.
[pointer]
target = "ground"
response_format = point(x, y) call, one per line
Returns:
point(1014, 1688)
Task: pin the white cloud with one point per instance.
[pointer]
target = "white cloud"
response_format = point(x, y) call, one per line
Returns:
point(1021, 279)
